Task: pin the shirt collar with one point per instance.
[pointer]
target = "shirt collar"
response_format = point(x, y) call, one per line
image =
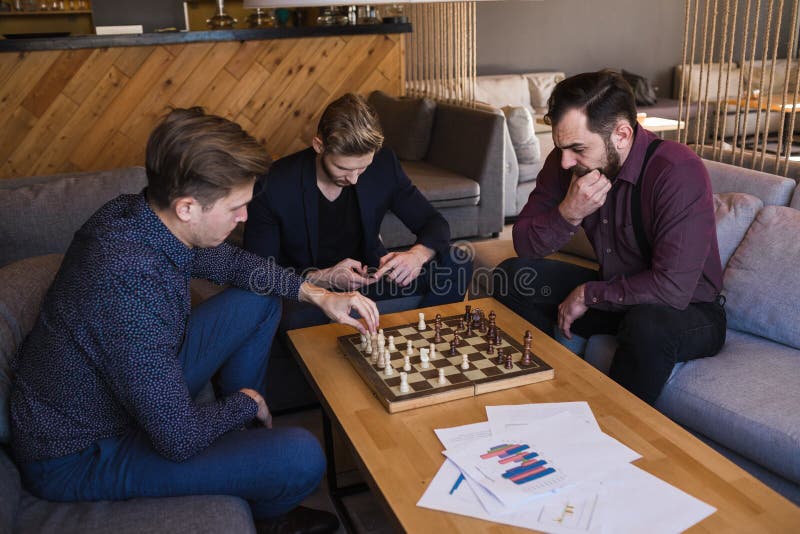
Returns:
point(633, 163)
point(159, 236)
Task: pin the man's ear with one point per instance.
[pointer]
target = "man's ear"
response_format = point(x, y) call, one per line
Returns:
point(622, 135)
point(184, 207)
point(319, 147)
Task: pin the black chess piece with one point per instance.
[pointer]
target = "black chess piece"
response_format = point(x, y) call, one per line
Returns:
point(501, 358)
point(461, 324)
point(509, 362)
point(467, 313)
point(453, 351)
point(490, 350)
point(456, 338)
point(437, 332)
point(468, 333)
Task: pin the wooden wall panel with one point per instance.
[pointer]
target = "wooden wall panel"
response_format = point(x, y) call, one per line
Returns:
point(65, 111)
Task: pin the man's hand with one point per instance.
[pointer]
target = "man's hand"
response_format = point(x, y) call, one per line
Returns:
point(346, 275)
point(402, 268)
point(338, 306)
point(586, 194)
point(572, 309)
point(263, 414)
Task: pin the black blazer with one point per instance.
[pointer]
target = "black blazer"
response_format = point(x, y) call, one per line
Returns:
point(283, 216)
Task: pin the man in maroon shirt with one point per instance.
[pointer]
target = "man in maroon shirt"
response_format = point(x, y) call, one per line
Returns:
point(647, 209)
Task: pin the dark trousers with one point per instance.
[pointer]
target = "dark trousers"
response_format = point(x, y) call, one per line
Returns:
point(651, 338)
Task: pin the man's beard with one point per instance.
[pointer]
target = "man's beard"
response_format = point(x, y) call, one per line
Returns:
point(611, 168)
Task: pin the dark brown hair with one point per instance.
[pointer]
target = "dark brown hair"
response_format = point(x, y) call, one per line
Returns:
point(349, 126)
point(604, 96)
point(204, 156)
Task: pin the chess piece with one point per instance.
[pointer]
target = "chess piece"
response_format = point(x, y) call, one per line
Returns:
point(363, 340)
point(467, 313)
point(453, 350)
point(456, 339)
point(389, 371)
point(391, 343)
point(476, 318)
point(527, 356)
point(442, 379)
point(509, 362)
point(368, 348)
point(437, 332)
point(432, 355)
point(407, 363)
point(438, 319)
point(497, 339)
point(528, 338)
point(410, 349)
point(404, 382)
point(460, 324)
point(465, 362)
point(468, 333)
point(423, 356)
point(490, 350)
point(374, 358)
point(501, 358)
point(381, 358)
point(421, 326)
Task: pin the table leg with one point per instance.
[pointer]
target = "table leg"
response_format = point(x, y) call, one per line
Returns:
point(336, 492)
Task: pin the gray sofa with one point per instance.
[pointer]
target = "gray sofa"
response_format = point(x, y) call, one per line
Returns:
point(38, 217)
point(454, 155)
point(745, 401)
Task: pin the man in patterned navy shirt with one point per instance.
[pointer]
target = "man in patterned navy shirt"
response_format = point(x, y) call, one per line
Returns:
point(103, 400)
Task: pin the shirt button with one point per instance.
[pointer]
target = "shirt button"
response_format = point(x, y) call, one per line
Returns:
point(572, 233)
point(608, 251)
point(620, 299)
point(594, 299)
point(605, 221)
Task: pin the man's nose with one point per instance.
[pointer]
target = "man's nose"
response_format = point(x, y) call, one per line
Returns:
point(567, 160)
point(352, 178)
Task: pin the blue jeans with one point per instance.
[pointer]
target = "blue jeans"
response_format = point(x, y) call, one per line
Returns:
point(274, 470)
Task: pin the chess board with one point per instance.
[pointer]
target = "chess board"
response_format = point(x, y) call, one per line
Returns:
point(484, 374)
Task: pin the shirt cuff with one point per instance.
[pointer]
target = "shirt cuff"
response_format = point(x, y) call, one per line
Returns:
point(597, 293)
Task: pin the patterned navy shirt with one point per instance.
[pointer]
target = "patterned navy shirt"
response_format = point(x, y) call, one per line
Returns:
point(102, 358)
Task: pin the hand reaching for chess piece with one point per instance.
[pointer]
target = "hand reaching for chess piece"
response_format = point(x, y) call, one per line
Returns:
point(338, 306)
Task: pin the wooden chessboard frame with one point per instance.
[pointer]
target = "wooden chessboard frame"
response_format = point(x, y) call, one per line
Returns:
point(375, 378)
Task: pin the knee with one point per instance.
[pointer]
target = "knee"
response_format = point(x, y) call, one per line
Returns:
point(308, 460)
point(645, 326)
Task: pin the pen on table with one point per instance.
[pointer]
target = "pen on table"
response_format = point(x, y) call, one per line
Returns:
point(458, 483)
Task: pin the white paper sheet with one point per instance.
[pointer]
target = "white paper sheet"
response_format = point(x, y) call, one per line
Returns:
point(508, 418)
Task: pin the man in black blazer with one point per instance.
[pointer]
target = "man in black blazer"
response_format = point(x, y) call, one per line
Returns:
point(320, 210)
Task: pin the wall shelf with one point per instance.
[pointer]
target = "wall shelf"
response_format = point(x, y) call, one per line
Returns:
point(50, 13)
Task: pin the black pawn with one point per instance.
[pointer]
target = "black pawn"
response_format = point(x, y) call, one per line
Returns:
point(509, 362)
point(490, 350)
point(501, 359)
point(453, 351)
point(467, 313)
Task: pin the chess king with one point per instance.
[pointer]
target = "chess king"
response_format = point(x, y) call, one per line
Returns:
point(320, 210)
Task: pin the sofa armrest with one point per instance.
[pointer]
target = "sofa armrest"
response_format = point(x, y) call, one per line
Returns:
point(469, 141)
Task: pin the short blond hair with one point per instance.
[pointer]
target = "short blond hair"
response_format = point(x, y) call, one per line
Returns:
point(349, 126)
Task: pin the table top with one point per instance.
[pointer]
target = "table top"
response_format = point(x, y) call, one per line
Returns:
point(399, 453)
point(776, 102)
point(660, 124)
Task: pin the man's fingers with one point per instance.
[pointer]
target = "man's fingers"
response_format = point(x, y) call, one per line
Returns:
point(346, 319)
point(367, 309)
point(388, 266)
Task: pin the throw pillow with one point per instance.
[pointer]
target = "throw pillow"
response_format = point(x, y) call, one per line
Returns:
point(523, 137)
point(760, 289)
point(540, 87)
point(25, 284)
point(406, 123)
point(733, 212)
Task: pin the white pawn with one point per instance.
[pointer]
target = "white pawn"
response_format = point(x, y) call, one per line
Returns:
point(374, 358)
point(442, 379)
point(403, 382)
point(391, 343)
point(363, 340)
point(423, 356)
point(407, 363)
point(389, 371)
point(433, 352)
point(410, 349)
point(381, 360)
point(368, 348)
point(421, 325)
point(465, 362)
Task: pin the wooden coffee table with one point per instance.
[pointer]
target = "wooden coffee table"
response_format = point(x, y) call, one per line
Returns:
point(398, 454)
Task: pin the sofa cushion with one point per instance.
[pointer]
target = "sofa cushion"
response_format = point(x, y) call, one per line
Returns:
point(734, 212)
point(745, 398)
point(760, 280)
point(528, 172)
point(23, 285)
point(523, 136)
point(796, 199)
point(40, 215)
point(771, 189)
point(10, 492)
point(201, 513)
point(406, 123)
point(503, 90)
point(540, 87)
point(444, 189)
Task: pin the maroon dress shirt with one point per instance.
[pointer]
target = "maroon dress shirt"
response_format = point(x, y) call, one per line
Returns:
point(678, 218)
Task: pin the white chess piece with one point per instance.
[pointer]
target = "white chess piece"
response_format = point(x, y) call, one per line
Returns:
point(410, 349)
point(423, 356)
point(368, 348)
point(374, 358)
point(391, 343)
point(465, 362)
point(421, 326)
point(432, 349)
point(389, 371)
point(407, 363)
point(404, 382)
point(381, 358)
point(442, 379)
point(363, 340)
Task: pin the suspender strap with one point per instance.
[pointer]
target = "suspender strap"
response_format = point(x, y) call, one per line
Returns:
point(636, 206)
